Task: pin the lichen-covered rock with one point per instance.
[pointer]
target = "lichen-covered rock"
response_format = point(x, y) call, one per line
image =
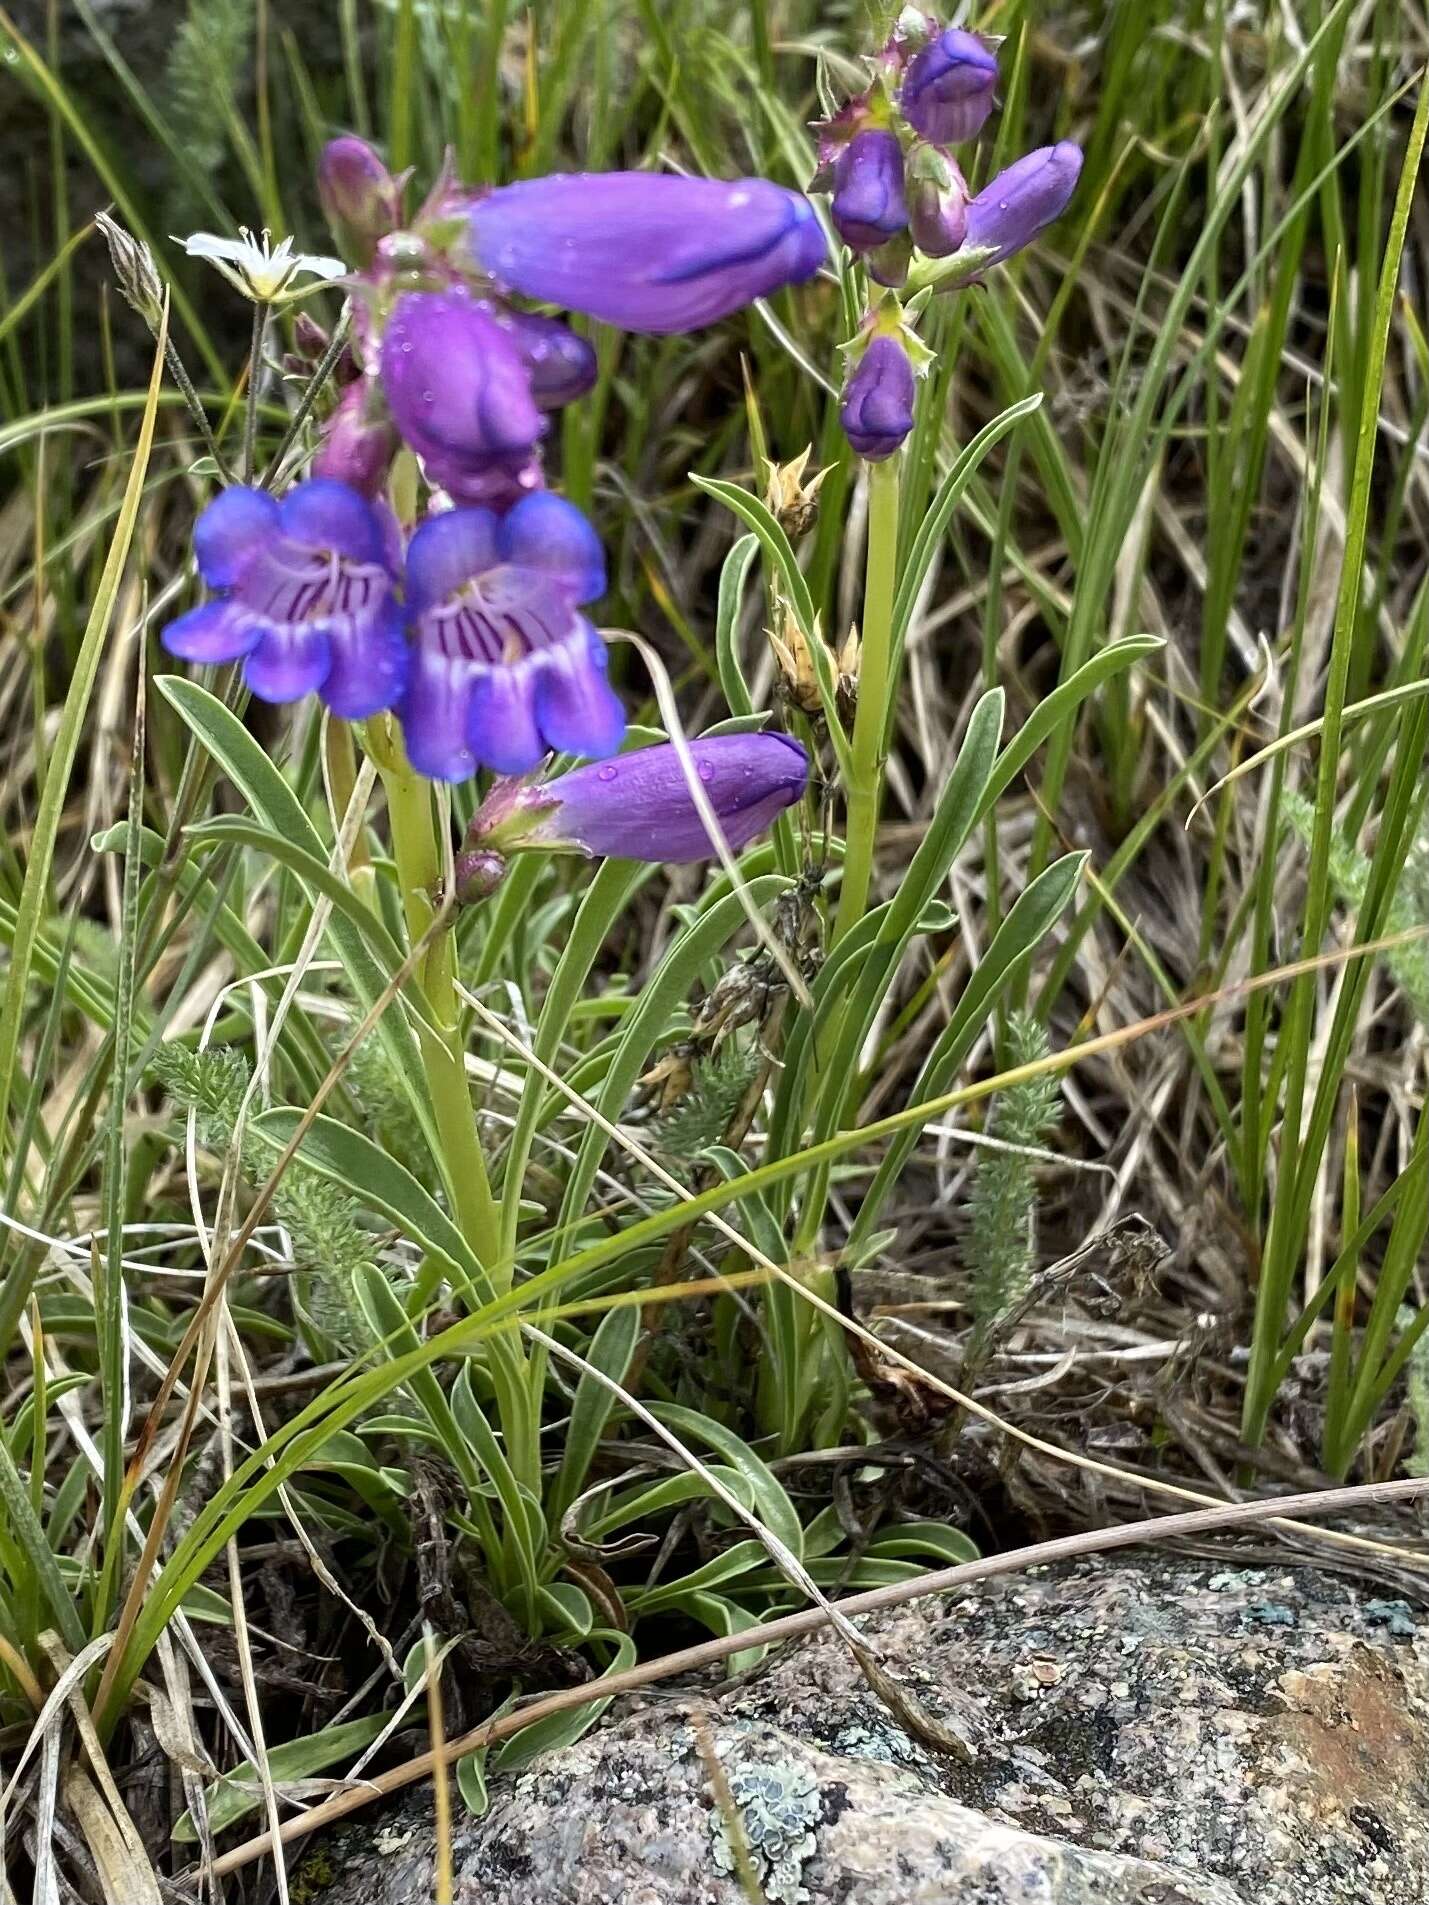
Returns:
point(1149, 1733)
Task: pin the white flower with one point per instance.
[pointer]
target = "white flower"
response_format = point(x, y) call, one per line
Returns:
point(259, 269)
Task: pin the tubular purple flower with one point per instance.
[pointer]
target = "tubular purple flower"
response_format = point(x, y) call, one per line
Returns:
point(1022, 201)
point(868, 207)
point(947, 93)
point(305, 597)
point(504, 666)
point(560, 365)
point(937, 197)
point(647, 251)
point(356, 448)
point(456, 384)
point(639, 807)
point(877, 408)
point(360, 197)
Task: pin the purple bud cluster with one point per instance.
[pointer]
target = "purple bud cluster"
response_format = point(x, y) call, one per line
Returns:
point(475, 633)
point(897, 188)
point(896, 185)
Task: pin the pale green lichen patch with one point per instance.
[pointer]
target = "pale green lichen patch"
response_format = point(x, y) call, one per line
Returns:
point(779, 1806)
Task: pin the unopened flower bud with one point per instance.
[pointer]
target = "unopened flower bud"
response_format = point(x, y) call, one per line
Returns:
point(937, 202)
point(639, 806)
point(877, 409)
point(1023, 201)
point(362, 200)
point(649, 251)
point(477, 876)
point(949, 89)
point(134, 270)
point(357, 445)
point(867, 205)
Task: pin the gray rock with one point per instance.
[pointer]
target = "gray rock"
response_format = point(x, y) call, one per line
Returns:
point(1146, 1736)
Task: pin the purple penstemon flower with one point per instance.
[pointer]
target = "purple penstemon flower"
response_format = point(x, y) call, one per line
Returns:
point(504, 666)
point(639, 806)
point(646, 251)
point(305, 597)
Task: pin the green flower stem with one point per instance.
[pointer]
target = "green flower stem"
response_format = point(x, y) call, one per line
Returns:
point(864, 791)
point(417, 851)
point(261, 309)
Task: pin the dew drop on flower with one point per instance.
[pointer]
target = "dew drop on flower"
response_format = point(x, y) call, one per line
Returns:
point(608, 773)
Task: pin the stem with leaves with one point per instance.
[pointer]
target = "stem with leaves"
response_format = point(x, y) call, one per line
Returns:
point(417, 851)
point(864, 790)
point(261, 308)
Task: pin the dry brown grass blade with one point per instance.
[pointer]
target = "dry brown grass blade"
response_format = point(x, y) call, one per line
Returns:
point(1201, 1521)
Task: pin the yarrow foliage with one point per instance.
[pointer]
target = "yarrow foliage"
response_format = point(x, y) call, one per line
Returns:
point(474, 632)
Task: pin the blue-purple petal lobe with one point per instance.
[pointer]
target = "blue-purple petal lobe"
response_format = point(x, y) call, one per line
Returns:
point(369, 665)
point(327, 514)
point(217, 632)
point(288, 661)
point(237, 521)
point(646, 251)
point(577, 710)
point(545, 532)
point(447, 551)
point(435, 713)
point(501, 725)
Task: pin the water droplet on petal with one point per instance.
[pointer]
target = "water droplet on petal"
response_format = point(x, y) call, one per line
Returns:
point(707, 773)
point(608, 773)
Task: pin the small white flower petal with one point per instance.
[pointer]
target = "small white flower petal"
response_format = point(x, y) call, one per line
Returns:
point(319, 266)
point(237, 251)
